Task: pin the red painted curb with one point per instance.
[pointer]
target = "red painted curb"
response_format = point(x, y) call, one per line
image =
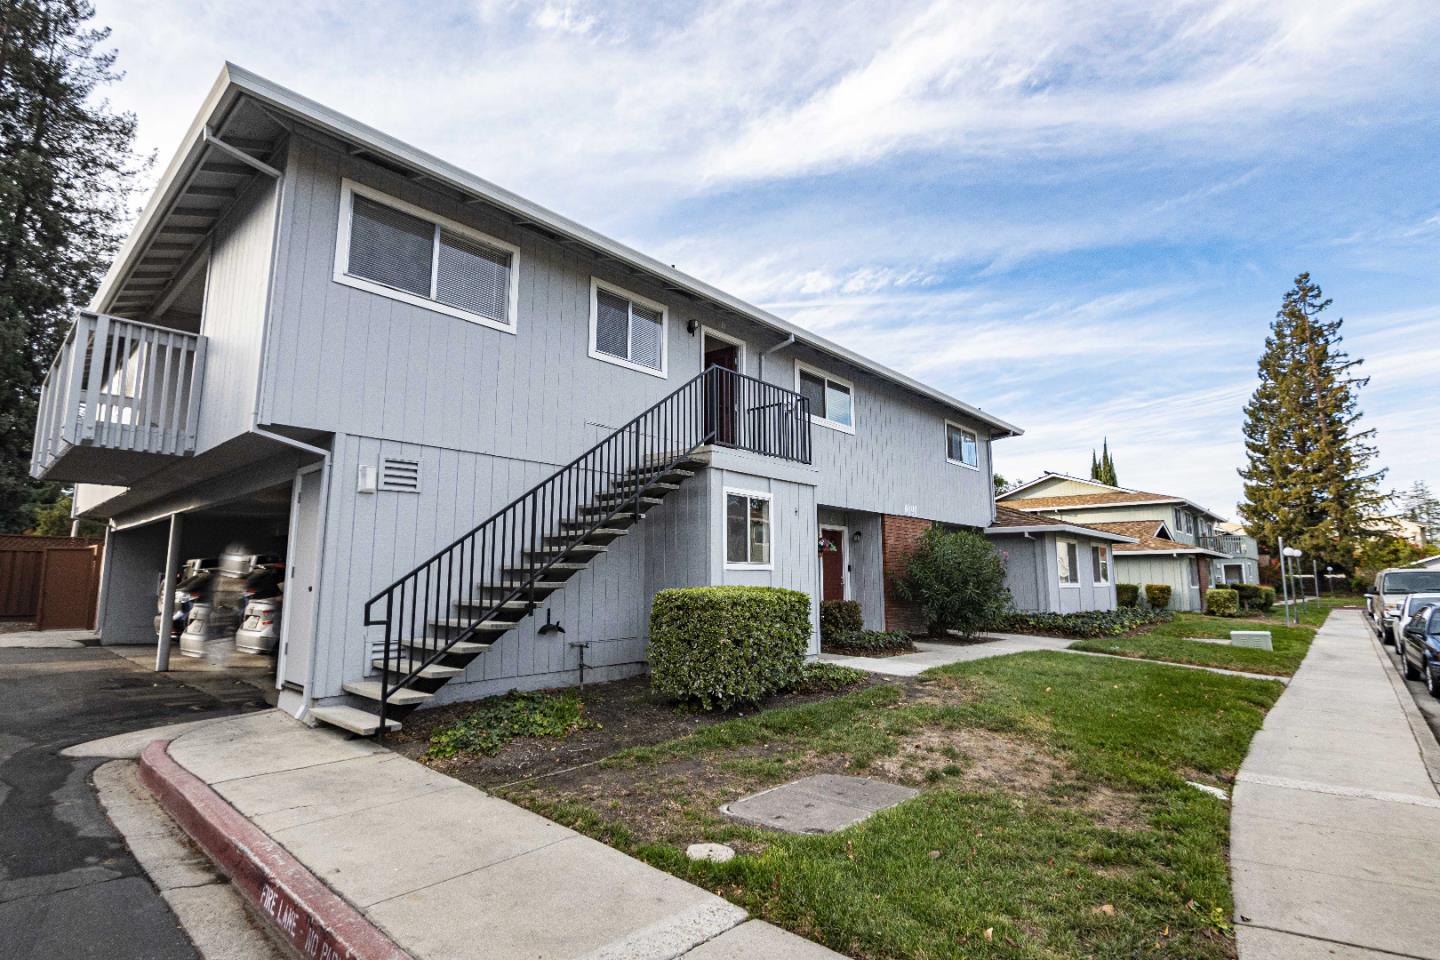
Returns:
point(304, 912)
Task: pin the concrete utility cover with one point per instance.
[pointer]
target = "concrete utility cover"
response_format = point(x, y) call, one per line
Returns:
point(1257, 639)
point(820, 804)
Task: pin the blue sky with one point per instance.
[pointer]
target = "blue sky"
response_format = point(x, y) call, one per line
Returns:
point(1080, 217)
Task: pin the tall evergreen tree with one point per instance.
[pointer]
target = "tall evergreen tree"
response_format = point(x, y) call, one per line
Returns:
point(1308, 475)
point(67, 171)
point(1102, 468)
point(1419, 505)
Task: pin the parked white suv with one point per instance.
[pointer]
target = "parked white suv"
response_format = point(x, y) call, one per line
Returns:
point(1392, 587)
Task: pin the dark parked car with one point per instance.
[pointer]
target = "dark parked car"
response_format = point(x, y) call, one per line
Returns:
point(1420, 648)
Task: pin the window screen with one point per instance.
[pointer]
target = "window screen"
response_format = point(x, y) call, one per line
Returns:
point(473, 277)
point(391, 247)
point(629, 331)
point(812, 388)
point(962, 446)
point(837, 402)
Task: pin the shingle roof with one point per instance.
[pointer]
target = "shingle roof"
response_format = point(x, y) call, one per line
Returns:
point(1093, 500)
point(1010, 518)
point(1143, 532)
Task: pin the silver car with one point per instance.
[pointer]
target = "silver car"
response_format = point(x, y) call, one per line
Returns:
point(1392, 587)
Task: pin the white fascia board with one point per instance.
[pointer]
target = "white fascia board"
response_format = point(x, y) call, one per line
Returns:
point(235, 80)
point(1063, 528)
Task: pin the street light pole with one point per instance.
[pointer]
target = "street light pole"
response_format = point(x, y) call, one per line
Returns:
point(1284, 582)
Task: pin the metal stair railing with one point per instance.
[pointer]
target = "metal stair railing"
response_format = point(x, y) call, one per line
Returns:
point(503, 558)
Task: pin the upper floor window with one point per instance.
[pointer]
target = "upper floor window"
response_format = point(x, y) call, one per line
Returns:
point(626, 329)
point(832, 400)
point(1068, 556)
point(401, 251)
point(747, 529)
point(962, 446)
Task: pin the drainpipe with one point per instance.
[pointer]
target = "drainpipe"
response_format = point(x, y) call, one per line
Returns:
point(167, 603)
point(324, 455)
point(760, 369)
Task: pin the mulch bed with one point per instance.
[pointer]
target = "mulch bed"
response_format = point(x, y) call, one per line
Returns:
point(628, 714)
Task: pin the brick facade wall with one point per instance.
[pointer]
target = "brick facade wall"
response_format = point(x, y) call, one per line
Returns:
point(900, 535)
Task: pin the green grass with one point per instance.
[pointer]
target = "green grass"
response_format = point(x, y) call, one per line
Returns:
point(1167, 641)
point(1114, 856)
point(488, 728)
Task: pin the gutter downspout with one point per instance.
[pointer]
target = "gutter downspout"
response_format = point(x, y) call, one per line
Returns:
point(760, 370)
point(306, 697)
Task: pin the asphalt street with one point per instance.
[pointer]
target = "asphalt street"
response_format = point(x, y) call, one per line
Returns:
point(69, 887)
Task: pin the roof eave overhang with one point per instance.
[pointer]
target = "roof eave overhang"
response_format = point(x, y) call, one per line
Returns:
point(235, 81)
point(1065, 528)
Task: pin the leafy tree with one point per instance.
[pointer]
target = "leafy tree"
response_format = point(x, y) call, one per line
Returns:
point(67, 170)
point(958, 579)
point(1307, 476)
point(1419, 505)
point(1102, 468)
point(1000, 484)
point(53, 520)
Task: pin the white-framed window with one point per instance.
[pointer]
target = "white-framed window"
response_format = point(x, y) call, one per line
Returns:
point(832, 400)
point(1067, 557)
point(962, 446)
point(748, 530)
point(626, 329)
point(1100, 564)
point(407, 253)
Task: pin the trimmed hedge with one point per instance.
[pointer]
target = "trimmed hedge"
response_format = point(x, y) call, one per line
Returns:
point(1267, 599)
point(1221, 602)
point(1127, 594)
point(1157, 595)
point(1083, 626)
point(1255, 597)
point(870, 641)
point(722, 646)
point(839, 617)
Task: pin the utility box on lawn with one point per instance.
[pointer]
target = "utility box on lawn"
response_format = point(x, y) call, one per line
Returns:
point(1255, 639)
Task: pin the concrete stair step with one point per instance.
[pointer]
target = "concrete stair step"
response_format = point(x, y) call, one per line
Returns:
point(656, 485)
point(581, 549)
point(484, 626)
point(621, 519)
point(370, 690)
point(611, 497)
point(434, 671)
point(561, 569)
point(605, 534)
point(461, 648)
point(353, 720)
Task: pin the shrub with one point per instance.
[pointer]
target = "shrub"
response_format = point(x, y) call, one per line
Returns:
point(819, 677)
point(494, 724)
point(1127, 594)
point(958, 580)
point(1083, 626)
point(1249, 594)
point(1157, 595)
point(871, 641)
point(1222, 602)
point(720, 646)
point(839, 617)
point(1266, 599)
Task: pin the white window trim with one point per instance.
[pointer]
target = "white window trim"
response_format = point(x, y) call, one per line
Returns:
point(970, 430)
point(1095, 573)
point(1065, 584)
point(714, 334)
point(841, 381)
point(765, 495)
point(596, 285)
point(349, 189)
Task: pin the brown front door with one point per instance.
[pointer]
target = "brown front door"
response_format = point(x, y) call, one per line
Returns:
point(719, 353)
point(832, 564)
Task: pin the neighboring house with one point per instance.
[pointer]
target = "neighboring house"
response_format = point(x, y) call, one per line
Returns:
point(1175, 542)
point(1400, 528)
point(1054, 565)
point(1242, 563)
point(483, 435)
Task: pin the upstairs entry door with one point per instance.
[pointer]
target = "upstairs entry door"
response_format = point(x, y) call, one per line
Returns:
point(723, 418)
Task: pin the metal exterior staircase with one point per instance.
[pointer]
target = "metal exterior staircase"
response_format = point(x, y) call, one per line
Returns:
point(460, 602)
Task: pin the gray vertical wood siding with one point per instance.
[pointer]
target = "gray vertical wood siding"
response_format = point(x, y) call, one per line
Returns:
point(236, 288)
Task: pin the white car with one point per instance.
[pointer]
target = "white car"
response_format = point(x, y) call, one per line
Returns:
point(1392, 587)
point(1410, 606)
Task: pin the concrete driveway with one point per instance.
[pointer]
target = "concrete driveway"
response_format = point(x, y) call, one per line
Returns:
point(69, 887)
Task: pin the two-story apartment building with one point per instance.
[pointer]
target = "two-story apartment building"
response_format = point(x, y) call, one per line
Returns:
point(482, 435)
point(1175, 540)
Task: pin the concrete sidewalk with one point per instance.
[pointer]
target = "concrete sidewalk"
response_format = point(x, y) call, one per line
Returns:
point(1335, 822)
point(447, 871)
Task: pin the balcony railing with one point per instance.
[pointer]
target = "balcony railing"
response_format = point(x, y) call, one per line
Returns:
point(121, 399)
point(1225, 543)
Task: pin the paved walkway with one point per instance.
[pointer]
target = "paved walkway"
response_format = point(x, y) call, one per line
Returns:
point(1335, 823)
point(998, 645)
point(442, 867)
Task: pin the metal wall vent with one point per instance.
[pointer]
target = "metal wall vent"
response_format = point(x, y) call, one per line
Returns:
point(400, 476)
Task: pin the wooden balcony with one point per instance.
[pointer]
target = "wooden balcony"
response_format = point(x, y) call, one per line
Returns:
point(120, 401)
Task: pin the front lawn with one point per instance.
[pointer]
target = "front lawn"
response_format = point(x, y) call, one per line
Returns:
point(1168, 641)
point(1054, 819)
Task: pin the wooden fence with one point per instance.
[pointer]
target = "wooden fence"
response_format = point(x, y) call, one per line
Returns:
point(50, 581)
